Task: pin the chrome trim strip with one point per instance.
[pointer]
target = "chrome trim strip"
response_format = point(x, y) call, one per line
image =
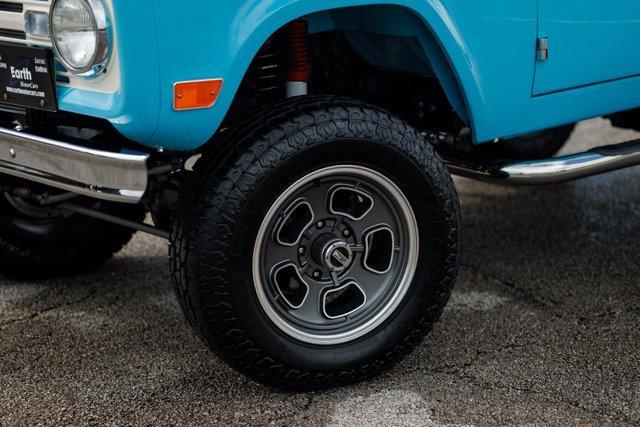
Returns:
point(101, 174)
point(546, 171)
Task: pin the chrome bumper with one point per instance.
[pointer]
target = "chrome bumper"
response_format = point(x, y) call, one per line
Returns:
point(104, 175)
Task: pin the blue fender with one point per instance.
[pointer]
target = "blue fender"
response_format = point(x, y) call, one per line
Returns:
point(218, 39)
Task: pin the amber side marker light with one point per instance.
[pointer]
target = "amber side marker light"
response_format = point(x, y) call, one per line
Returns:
point(196, 94)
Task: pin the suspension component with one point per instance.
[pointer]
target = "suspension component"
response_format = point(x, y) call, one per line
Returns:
point(298, 70)
point(268, 72)
point(145, 228)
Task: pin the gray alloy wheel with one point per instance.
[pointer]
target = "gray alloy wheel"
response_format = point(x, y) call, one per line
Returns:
point(335, 255)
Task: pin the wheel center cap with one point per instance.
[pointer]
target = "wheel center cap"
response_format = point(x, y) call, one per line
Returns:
point(336, 255)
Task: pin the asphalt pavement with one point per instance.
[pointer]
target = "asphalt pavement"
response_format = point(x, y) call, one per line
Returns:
point(543, 327)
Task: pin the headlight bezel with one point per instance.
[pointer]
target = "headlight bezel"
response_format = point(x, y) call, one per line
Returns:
point(102, 25)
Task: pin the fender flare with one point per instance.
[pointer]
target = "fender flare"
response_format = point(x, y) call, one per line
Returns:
point(443, 42)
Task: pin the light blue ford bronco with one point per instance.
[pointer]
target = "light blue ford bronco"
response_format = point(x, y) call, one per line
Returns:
point(295, 153)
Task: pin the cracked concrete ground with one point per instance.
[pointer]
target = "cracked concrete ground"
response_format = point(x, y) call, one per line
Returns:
point(544, 327)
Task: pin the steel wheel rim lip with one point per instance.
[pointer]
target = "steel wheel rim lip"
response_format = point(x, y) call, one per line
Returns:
point(402, 284)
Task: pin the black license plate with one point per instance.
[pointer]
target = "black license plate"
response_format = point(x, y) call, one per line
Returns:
point(27, 77)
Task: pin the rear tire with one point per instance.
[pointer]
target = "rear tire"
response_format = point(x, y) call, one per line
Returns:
point(292, 154)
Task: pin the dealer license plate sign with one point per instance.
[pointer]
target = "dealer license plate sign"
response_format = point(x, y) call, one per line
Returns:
point(27, 77)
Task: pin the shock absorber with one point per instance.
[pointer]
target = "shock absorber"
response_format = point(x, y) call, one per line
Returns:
point(298, 70)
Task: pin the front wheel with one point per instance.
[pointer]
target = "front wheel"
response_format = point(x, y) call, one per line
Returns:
point(323, 250)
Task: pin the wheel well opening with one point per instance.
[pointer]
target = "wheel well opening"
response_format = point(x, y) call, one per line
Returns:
point(383, 55)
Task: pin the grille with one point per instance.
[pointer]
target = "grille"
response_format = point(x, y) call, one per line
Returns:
point(12, 19)
point(13, 34)
point(6, 6)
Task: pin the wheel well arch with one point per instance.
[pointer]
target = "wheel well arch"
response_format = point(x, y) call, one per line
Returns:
point(398, 20)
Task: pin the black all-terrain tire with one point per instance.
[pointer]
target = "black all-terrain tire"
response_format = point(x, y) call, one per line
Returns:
point(33, 248)
point(539, 145)
point(227, 198)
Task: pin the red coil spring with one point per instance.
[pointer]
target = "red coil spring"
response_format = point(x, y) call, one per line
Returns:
point(298, 55)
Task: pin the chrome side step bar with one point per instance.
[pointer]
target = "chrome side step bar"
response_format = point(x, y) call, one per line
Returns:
point(118, 177)
point(547, 171)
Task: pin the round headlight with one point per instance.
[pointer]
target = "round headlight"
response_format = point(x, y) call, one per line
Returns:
point(81, 35)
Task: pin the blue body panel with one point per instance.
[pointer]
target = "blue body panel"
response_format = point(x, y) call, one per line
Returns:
point(589, 43)
point(484, 52)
